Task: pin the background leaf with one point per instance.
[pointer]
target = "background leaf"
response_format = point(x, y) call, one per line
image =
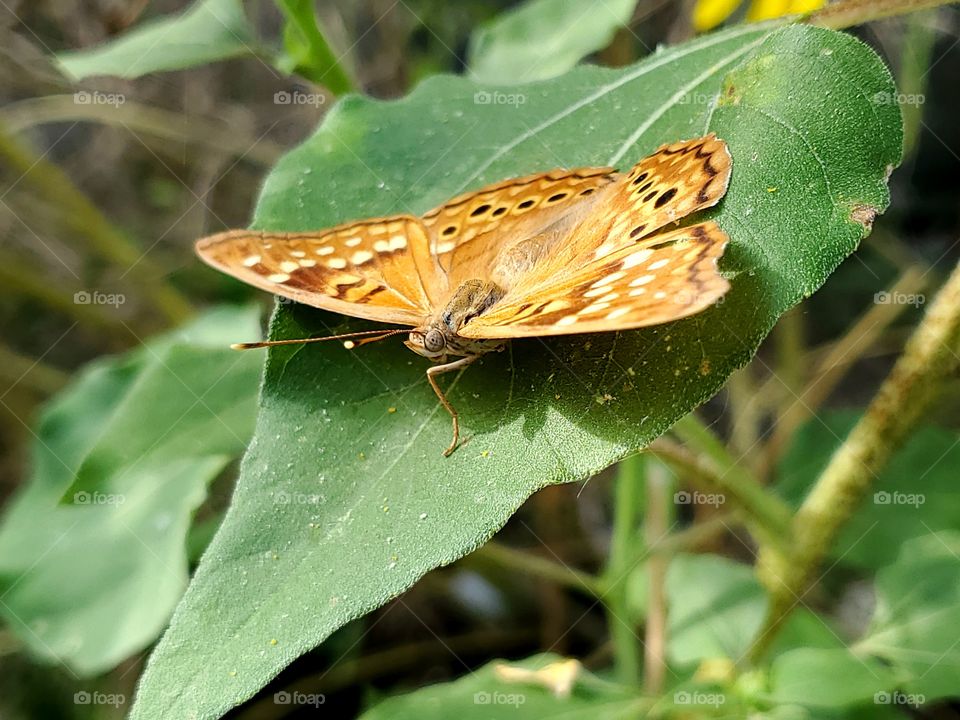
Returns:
point(342, 503)
point(913, 496)
point(918, 612)
point(210, 30)
point(564, 32)
point(817, 677)
point(481, 695)
point(92, 583)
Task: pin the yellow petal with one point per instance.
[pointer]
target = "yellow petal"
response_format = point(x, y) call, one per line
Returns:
point(766, 9)
point(801, 7)
point(707, 14)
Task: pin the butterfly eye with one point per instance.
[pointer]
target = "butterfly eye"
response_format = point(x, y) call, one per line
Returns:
point(434, 341)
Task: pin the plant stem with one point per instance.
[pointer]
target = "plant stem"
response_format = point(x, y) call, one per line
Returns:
point(658, 511)
point(848, 13)
point(83, 219)
point(838, 360)
point(627, 506)
point(525, 563)
point(928, 359)
point(308, 47)
point(767, 516)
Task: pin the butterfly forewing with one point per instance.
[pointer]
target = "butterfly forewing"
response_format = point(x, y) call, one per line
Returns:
point(667, 278)
point(472, 229)
point(378, 269)
point(675, 181)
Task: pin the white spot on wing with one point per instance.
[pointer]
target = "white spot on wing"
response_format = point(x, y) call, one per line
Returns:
point(252, 260)
point(325, 250)
point(642, 280)
point(567, 320)
point(619, 312)
point(656, 265)
point(288, 266)
point(337, 263)
point(361, 256)
point(352, 242)
point(636, 258)
point(278, 277)
point(398, 242)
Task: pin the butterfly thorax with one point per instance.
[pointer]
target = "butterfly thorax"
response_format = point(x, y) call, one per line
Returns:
point(439, 337)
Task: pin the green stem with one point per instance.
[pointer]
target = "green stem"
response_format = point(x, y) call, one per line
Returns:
point(848, 13)
point(767, 516)
point(309, 50)
point(627, 506)
point(525, 563)
point(928, 360)
point(655, 645)
point(84, 220)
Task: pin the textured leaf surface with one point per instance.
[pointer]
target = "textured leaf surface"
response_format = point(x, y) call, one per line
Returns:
point(541, 39)
point(210, 30)
point(90, 583)
point(344, 499)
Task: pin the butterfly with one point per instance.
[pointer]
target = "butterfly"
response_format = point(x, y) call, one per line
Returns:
point(555, 253)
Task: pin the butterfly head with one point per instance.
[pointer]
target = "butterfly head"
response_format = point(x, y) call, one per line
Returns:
point(429, 342)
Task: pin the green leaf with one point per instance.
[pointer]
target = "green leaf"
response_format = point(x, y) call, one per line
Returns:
point(541, 39)
point(91, 583)
point(818, 677)
point(210, 30)
point(481, 695)
point(717, 607)
point(914, 627)
point(914, 494)
point(343, 504)
point(306, 50)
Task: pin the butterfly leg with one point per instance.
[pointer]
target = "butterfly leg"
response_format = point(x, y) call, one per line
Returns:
point(431, 376)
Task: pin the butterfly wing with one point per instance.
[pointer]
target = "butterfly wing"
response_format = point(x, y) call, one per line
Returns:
point(675, 181)
point(470, 231)
point(377, 269)
point(670, 277)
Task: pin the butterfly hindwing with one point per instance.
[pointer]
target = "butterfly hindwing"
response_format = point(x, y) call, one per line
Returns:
point(471, 230)
point(671, 276)
point(378, 269)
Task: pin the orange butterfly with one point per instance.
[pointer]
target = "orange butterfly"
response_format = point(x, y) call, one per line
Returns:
point(561, 252)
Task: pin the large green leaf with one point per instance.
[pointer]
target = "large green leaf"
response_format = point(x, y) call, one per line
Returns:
point(819, 677)
point(912, 496)
point(344, 499)
point(90, 583)
point(210, 30)
point(541, 39)
point(915, 624)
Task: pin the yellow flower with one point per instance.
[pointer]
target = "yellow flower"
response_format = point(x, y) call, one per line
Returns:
point(707, 14)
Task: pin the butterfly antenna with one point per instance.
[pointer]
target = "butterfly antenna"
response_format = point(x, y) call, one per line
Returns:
point(368, 335)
